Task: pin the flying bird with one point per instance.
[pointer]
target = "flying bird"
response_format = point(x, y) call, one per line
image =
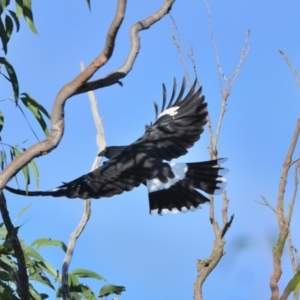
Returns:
point(172, 187)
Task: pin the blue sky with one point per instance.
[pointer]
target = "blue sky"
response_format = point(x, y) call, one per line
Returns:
point(155, 257)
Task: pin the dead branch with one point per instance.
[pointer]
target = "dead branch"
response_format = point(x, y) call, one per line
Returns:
point(206, 266)
point(87, 203)
point(80, 85)
point(283, 223)
point(21, 277)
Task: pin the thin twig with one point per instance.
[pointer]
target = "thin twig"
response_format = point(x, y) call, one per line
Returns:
point(294, 71)
point(179, 45)
point(266, 203)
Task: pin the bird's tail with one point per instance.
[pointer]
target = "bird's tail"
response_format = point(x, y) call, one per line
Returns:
point(181, 192)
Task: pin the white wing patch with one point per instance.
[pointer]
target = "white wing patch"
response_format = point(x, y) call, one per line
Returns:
point(172, 111)
point(179, 171)
point(174, 210)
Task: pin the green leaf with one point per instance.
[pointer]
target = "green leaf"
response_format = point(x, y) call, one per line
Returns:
point(47, 267)
point(1, 120)
point(110, 289)
point(4, 276)
point(294, 282)
point(9, 26)
point(3, 3)
point(48, 242)
point(14, 16)
point(23, 210)
point(3, 232)
point(19, 8)
point(87, 293)
point(87, 274)
point(9, 261)
point(7, 292)
point(36, 109)
point(33, 293)
point(40, 277)
point(27, 13)
point(3, 158)
point(12, 157)
point(35, 172)
point(3, 36)
point(30, 252)
point(73, 280)
point(25, 169)
point(75, 296)
point(12, 77)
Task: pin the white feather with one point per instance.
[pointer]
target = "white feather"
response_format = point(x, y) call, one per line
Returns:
point(178, 170)
point(172, 111)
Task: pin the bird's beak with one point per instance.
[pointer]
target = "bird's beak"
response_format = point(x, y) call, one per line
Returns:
point(102, 153)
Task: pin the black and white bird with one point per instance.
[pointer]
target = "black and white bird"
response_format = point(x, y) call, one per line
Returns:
point(172, 187)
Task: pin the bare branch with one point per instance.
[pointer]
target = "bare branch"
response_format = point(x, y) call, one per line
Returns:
point(226, 223)
point(282, 222)
point(180, 45)
point(117, 75)
point(21, 278)
point(87, 203)
point(228, 86)
point(296, 182)
point(283, 178)
point(294, 71)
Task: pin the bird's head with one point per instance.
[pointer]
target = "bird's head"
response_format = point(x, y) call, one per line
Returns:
point(112, 151)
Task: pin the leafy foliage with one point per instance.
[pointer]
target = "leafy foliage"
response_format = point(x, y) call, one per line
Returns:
point(40, 270)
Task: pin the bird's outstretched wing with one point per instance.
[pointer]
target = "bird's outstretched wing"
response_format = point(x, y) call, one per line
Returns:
point(178, 126)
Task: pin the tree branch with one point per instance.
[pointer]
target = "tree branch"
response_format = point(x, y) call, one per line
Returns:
point(283, 222)
point(21, 278)
point(117, 75)
point(206, 266)
point(87, 203)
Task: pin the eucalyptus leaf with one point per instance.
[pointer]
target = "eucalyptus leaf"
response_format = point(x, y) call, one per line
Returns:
point(48, 242)
point(9, 25)
point(14, 16)
point(87, 274)
point(27, 13)
point(12, 77)
point(36, 109)
point(110, 289)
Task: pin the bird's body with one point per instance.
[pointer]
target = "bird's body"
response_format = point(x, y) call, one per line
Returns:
point(171, 187)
